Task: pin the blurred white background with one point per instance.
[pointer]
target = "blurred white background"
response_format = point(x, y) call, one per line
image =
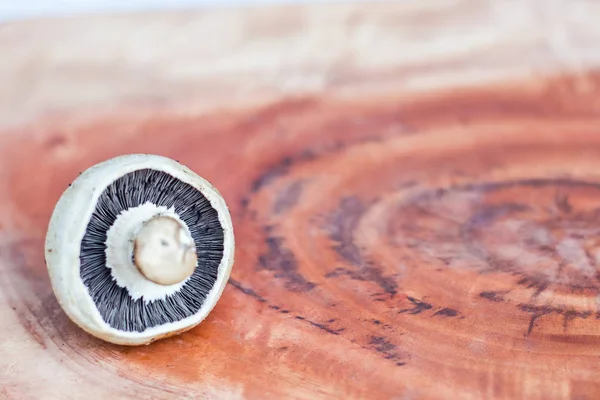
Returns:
point(17, 9)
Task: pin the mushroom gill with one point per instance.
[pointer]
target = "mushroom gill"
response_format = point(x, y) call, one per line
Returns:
point(118, 308)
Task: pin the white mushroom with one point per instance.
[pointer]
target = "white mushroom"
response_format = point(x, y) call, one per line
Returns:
point(139, 248)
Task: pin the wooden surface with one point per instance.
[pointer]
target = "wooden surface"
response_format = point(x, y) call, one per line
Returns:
point(414, 189)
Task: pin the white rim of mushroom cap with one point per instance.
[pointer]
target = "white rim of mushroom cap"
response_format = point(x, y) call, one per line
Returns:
point(67, 228)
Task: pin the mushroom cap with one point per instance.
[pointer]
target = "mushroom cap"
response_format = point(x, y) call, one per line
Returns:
point(67, 228)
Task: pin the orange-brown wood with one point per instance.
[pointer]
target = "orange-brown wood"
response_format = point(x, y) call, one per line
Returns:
point(412, 226)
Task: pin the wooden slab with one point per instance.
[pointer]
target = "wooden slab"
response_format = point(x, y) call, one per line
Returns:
point(414, 189)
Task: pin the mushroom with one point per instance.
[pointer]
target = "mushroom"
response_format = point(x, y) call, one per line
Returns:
point(139, 248)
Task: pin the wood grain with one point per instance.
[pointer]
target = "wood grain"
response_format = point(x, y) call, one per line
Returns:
point(413, 187)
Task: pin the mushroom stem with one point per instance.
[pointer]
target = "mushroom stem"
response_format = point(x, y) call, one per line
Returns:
point(164, 252)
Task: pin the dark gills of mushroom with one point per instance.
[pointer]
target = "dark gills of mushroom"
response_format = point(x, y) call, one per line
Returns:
point(155, 249)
